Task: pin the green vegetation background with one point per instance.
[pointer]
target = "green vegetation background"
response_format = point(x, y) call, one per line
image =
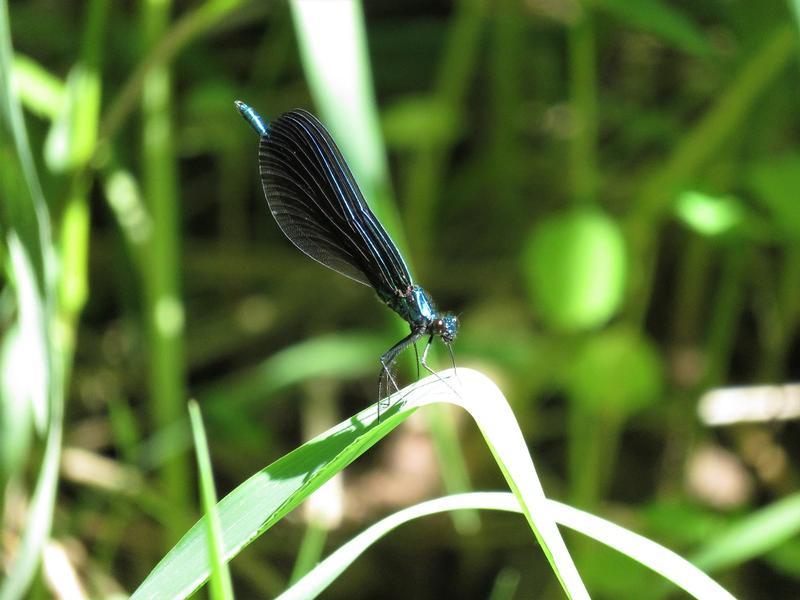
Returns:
point(607, 193)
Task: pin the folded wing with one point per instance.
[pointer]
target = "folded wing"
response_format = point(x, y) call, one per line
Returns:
point(315, 200)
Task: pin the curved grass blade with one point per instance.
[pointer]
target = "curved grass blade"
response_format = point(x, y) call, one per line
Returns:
point(661, 560)
point(270, 494)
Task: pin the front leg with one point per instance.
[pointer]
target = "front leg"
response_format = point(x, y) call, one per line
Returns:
point(387, 360)
point(424, 362)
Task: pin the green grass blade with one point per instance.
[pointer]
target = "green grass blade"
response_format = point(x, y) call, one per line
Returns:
point(270, 494)
point(220, 584)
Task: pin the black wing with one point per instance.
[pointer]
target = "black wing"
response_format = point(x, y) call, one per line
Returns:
point(318, 206)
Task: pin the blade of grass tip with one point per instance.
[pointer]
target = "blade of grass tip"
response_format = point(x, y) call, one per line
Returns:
point(494, 417)
point(655, 557)
point(269, 495)
point(220, 584)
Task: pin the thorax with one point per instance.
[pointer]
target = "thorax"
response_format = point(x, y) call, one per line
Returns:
point(414, 305)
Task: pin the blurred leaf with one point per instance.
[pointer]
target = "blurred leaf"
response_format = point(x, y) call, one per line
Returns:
point(16, 417)
point(683, 522)
point(776, 183)
point(617, 371)
point(38, 90)
point(31, 381)
point(575, 265)
point(419, 121)
point(506, 584)
point(265, 498)
point(125, 199)
point(339, 355)
point(662, 20)
point(228, 400)
point(709, 215)
point(752, 535)
point(73, 136)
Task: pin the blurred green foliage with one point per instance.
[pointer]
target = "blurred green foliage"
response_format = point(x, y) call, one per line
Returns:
point(606, 192)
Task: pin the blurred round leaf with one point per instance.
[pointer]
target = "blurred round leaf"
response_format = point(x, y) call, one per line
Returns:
point(575, 265)
point(709, 215)
point(616, 372)
point(418, 122)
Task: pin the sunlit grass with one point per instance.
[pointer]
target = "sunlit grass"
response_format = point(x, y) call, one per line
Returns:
point(135, 245)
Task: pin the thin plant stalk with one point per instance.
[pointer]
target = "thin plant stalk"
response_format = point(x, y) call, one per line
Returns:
point(163, 303)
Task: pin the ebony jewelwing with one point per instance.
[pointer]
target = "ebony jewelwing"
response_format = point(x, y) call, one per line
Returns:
point(317, 204)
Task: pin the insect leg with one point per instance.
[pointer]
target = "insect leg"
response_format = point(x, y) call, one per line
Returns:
point(424, 363)
point(387, 360)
